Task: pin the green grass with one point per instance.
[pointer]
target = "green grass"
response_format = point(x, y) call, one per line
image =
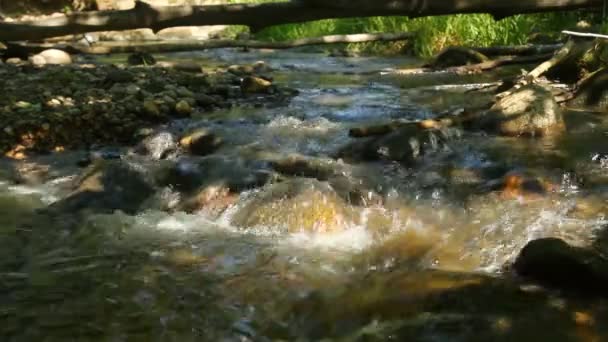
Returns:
point(433, 33)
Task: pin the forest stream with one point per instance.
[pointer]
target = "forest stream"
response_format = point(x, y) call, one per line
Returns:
point(315, 243)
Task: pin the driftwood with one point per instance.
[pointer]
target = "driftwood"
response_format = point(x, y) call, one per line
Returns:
point(172, 46)
point(258, 16)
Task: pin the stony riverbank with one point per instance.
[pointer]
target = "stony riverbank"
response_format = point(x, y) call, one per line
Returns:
point(51, 107)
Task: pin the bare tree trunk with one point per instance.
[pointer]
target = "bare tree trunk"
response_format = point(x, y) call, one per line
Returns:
point(258, 16)
point(169, 46)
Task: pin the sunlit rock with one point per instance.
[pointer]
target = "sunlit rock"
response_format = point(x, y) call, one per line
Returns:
point(37, 60)
point(297, 205)
point(54, 56)
point(256, 85)
point(201, 142)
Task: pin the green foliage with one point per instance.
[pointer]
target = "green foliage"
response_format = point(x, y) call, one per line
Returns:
point(434, 33)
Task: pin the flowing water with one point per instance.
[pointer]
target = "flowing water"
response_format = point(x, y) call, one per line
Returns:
point(427, 264)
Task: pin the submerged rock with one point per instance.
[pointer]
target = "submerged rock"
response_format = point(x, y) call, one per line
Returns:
point(296, 205)
point(554, 263)
point(456, 56)
point(530, 110)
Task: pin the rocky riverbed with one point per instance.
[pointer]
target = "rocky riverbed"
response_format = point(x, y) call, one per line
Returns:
point(361, 207)
point(57, 106)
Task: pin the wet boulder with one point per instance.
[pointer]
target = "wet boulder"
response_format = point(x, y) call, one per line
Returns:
point(256, 85)
point(106, 186)
point(406, 144)
point(592, 91)
point(190, 175)
point(530, 111)
point(456, 56)
point(201, 142)
point(554, 263)
point(212, 199)
point(297, 205)
point(303, 166)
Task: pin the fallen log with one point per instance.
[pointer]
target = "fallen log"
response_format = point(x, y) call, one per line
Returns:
point(493, 64)
point(585, 34)
point(262, 15)
point(475, 68)
point(518, 50)
point(559, 56)
point(172, 46)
